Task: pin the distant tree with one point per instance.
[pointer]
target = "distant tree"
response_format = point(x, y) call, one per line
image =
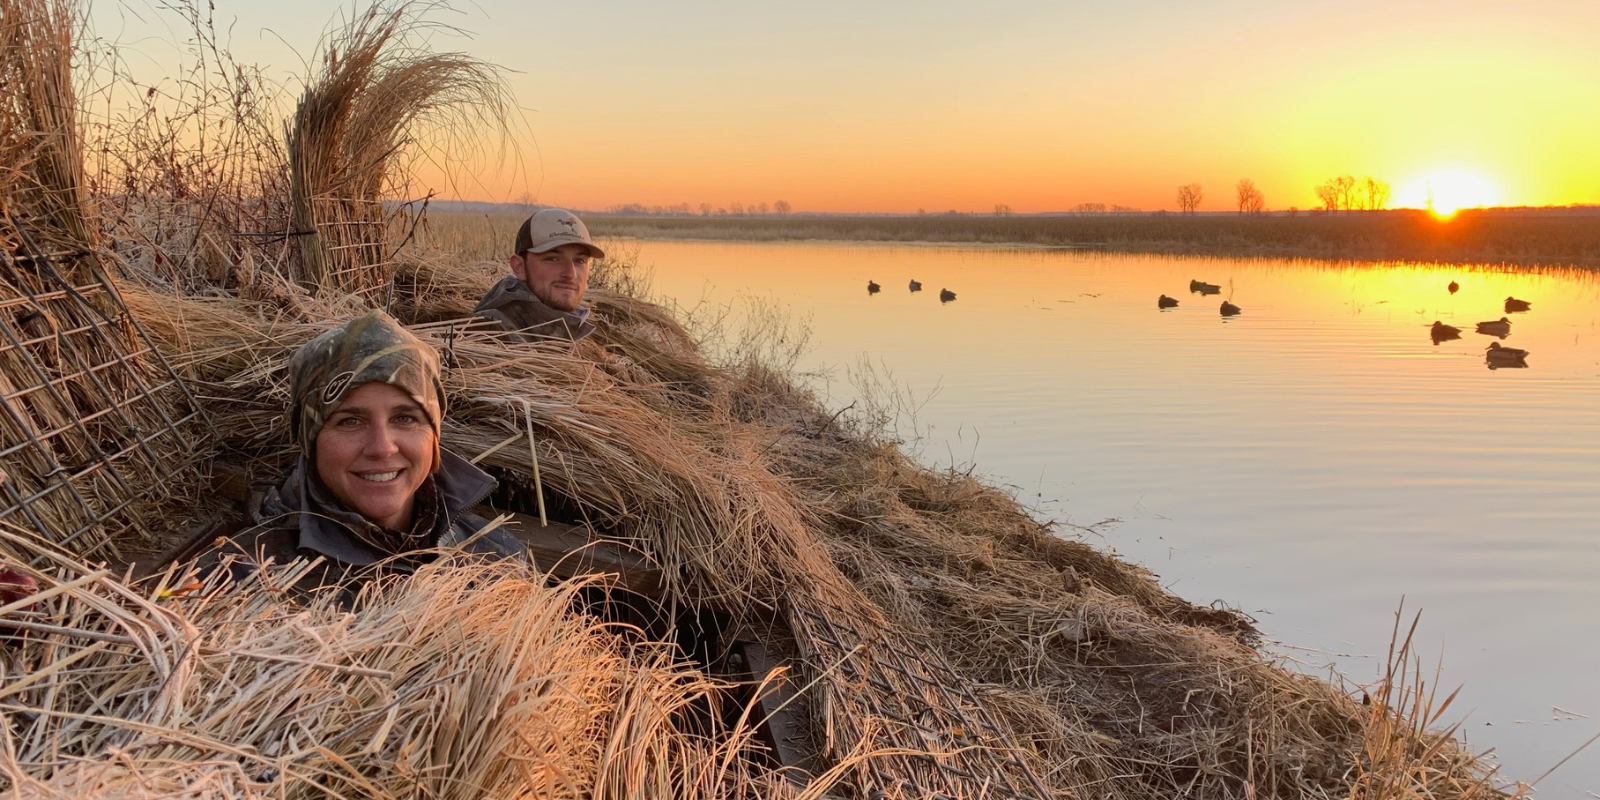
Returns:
point(1294, 211)
point(1341, 194)
point(1116, 209)
point(1375, 194)
point(922, 212)
point(1090, 208)
point(705, 209)
point(1251, 200)
point(1189, 197)
point(736, 209)
point(722, 212)
point(782, 208)
point(760, 208)
point(1002, 210)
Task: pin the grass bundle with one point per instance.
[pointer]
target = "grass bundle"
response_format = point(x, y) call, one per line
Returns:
point(358, 119)
point(88, 413)
point(41, 159)
point(466, 680)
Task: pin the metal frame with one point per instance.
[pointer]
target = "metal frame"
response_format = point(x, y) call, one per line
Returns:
point(944, 743)
point(93, 417)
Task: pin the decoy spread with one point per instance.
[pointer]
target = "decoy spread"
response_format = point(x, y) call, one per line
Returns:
point(873, 287)
point(1513, 304)
point(945, 295)
point(1499, 356)
point(1454, 287)
point(1204, 288)
point(916, 285)
point(1166, 302)
point(1441, 332)
point(1229, 309)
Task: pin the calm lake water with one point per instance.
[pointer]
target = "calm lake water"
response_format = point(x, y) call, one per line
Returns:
point(1312, 461)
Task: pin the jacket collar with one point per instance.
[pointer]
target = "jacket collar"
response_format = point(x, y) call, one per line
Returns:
point(327, 527)
point(517, 303)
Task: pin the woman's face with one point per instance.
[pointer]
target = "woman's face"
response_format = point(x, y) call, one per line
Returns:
point(374, 451)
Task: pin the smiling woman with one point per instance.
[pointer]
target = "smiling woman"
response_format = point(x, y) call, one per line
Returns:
point(372, 485)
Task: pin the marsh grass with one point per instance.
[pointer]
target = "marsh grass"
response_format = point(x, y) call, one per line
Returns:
point(1469, 237)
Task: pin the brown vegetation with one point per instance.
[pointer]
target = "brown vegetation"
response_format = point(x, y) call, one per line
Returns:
point(1471, 237)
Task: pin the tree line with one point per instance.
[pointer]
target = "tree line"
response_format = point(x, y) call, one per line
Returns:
point(780, 208)
point(1344, 193)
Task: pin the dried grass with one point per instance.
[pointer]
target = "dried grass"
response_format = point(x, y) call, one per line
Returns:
point(467, 680)
point(352, 130)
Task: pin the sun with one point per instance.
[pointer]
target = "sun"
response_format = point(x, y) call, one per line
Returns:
point(1444, 192)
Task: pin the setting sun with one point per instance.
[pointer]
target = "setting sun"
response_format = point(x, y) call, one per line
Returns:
point(1447, 191)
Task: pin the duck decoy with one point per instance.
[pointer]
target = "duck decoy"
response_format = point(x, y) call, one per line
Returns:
point(1454, 287)
point(1229, 309)
point(1166, 302)
point(1441, 332)
point(1500, 327)
point(945, 295)
point(873, 287)
point(1514, 305)
point(1204, 288)
point(1499, 356)
point(916, 285)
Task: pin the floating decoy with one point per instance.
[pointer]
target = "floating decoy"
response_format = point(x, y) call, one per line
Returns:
point(1498, 356)
point(1166, 302)
point(916, 285)
point(1229, 309)
point(945, 295)
point(1443, 333)
point(1513, 305)
point(1454, 287)
point(873, 287)
point(1204, 288)
point(1500, 328)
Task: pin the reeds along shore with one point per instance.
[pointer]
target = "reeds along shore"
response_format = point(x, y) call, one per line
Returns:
point(1471, 237)
point(473, 679)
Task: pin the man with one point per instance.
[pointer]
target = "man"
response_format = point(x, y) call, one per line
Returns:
point(549, 275)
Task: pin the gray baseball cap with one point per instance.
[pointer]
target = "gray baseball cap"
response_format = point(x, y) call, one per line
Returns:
point(550, 228)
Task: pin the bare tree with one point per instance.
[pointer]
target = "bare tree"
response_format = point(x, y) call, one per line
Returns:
point(760, 208)
point(1251, 200)
point(782, 208)
point(1090, 208)
point(1375, 194)
point(705, 209)
point(736, 209)
point(1328, 195)
point(1189, 197)
point(1345, 193)
point(1002, 210)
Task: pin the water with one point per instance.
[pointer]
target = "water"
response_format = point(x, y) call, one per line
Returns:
point(1312, 461)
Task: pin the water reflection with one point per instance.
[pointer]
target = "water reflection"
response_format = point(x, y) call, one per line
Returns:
point(1311, 466)
point(1501, 357)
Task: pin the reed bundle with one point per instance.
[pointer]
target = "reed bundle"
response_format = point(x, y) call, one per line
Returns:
point(357, 120)
point(467, 680)
point(89, 411)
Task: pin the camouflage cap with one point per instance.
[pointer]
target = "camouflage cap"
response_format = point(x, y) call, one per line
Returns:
point(550, 228)
point(372, 347)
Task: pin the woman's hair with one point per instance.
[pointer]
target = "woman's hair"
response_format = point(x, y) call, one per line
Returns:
point(372, 347)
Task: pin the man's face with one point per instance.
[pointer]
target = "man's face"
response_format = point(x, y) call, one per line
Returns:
point(557, 277)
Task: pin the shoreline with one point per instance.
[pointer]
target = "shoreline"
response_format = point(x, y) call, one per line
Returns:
point(1568, 242)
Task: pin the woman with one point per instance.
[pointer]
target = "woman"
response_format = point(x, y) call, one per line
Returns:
point(372, 483)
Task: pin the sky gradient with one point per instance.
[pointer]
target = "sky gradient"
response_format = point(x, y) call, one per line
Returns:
point(936, 105)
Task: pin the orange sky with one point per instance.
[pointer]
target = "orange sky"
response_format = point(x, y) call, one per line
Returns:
point(895, 106)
